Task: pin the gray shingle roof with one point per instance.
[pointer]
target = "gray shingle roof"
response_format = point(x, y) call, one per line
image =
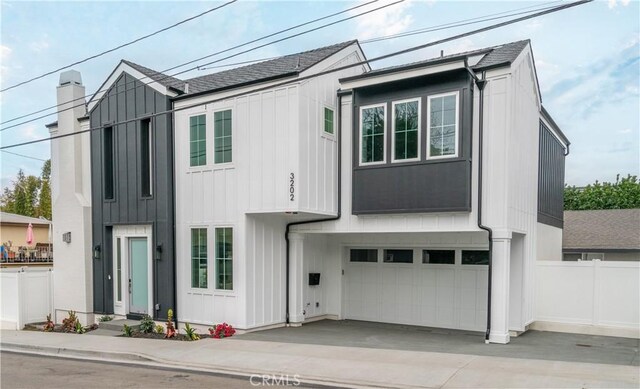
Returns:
point(612, 229)
point(499, 55)
point(275, 68)
point(262, 71)
point(161, 78)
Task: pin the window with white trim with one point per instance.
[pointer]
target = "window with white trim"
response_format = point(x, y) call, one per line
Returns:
point(222, 136)
point(328, 121)
point(372, 134)
point(442, 126)
point(224, 258)
point(406, 130)
point(198, 140)
point(199, 258)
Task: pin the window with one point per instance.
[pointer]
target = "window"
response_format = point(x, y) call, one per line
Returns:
point(146, 155)
point(475, 257)
point(328, 120)
point(118, 271)
point(198, 140)
point(572, 257)
point(363, 255)
point(406, 133)
point(398, 256)
point(108, 160)
point(443, 126)
point(198, 257)
point(372, 134)
point(222, 139)
point(224, 258)
point(594, 256)
point(446, 257)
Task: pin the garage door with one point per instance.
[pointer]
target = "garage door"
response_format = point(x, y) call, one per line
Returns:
point(435, 288)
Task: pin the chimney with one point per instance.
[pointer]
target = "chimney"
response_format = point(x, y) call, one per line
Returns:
point(71, 203)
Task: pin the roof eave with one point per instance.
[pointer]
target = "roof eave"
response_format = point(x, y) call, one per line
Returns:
point(400, 69)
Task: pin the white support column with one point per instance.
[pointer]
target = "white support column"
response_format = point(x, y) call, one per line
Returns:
point(296, 249)
point(500, 275)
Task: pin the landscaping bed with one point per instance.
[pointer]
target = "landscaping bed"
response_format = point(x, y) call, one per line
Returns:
point(56, 328)
point(155, 335)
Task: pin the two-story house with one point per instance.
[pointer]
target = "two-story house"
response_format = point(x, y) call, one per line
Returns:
point(279, 193)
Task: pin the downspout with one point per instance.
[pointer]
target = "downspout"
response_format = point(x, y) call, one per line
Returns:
point(289, 225)
point(481, 84)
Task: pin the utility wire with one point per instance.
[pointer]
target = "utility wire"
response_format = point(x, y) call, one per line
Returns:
point(22, 155)
point(459, 23)
point(322, 73)
point(118, 47)
point(178, 66)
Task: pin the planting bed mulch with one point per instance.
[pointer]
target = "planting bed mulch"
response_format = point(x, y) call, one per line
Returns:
point(56, 328)
point(154, 335)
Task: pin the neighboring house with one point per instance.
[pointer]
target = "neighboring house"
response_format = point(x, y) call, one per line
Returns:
point(216, 210)
point(607, 235)
point(13, 236)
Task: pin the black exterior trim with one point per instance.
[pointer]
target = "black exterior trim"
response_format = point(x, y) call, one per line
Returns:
point(551, 160)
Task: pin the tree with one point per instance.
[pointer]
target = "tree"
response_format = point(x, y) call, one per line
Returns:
point(623, 194)
point(30, 195)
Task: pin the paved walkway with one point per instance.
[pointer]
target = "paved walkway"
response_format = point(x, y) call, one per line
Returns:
point(329, 365)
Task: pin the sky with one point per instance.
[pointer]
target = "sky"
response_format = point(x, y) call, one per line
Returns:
point(587, 58)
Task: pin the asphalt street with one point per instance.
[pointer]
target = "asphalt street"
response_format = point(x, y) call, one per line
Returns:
point(31, 371)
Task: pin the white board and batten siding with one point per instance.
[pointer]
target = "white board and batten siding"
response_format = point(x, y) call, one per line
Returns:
point(273, 137)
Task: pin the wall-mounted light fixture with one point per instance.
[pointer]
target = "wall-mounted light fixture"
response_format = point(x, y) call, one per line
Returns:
point(96, 252)
point(158, 251)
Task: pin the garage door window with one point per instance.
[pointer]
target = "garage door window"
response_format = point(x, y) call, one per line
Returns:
point(475, 257)
point(445, 257)
point(398, 256)
point(363, 255)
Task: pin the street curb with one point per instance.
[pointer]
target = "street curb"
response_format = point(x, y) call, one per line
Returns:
point(141, 360)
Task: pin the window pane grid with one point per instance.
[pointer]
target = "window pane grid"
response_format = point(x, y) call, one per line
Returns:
point(373, 134)
point(442, 126)
point(198, 140)
point(222, 136)
point(328, 121)
point(406, 130)
point(199, 258)
point(224, 258)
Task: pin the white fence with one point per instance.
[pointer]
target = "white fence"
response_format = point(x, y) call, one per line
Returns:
point(26, 296)
point(593, 293)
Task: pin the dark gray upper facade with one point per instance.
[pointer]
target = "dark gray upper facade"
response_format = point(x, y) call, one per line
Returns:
point(122, 200)
point(550, 178)
point(442, 185)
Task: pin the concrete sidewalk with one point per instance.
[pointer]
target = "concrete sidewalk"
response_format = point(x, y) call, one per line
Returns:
point(328, 365)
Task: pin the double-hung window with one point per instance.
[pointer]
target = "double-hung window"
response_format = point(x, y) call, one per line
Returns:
point(406, 130)
point(222, 136)
point(328, 121)
point(199, 258)
point(198, 140)
point(224, 258)
point(372, 134)
point(442, 126)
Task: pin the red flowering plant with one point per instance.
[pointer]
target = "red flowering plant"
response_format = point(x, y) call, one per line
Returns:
point(171, 330)
point(223, 330)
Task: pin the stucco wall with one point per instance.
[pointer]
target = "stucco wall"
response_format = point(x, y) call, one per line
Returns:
point(18, 235)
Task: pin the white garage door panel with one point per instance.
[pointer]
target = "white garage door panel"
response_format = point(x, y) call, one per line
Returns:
point(451, 296)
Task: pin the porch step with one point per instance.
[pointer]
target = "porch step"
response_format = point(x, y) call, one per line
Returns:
point(105, 332)
point(117, 325)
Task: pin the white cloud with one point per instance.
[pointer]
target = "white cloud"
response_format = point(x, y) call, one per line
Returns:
point(614, 3)
point(40, 45)
point(391, 20)
point(5, 52)
point(625, 131)
point(30, 133)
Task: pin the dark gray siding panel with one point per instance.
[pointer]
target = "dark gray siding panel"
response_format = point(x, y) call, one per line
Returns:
point(129, 206)
point(442, 185)
point(550, 179)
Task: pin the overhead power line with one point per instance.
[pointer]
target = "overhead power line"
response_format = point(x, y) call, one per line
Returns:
point(322, 73)
point(118, 47)
point(175, 67)
point(22, 155)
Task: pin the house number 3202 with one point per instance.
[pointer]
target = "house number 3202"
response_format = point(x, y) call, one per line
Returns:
point(292, 187)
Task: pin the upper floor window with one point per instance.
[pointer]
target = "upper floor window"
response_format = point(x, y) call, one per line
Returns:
point(108, 162)
point(442, 127)
point(222, 137)
point(406, 130)
point(146, 158)
point(372, 134)
point(198, 140)
point(328, 120)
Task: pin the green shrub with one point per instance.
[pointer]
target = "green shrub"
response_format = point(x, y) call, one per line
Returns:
point(127, 331)
point(159, 329)
point(104, 318)
point(79, 328)
point(147, 324)
point(190, 332)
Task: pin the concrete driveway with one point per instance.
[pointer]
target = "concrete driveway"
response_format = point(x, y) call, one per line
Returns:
point(552, 346)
